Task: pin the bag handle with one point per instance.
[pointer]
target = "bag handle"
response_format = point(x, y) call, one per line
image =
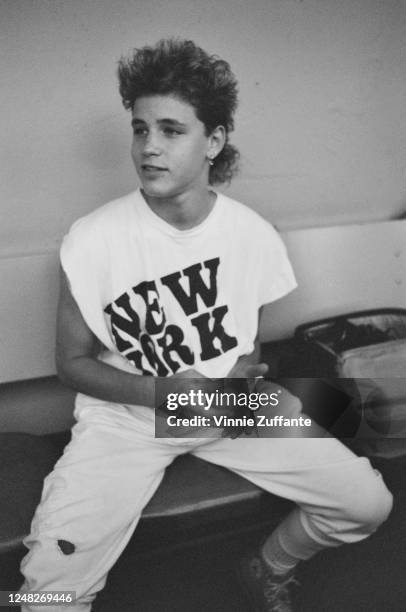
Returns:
point(338, 325)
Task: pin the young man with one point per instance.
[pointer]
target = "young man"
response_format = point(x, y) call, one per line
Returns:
point(168, 282)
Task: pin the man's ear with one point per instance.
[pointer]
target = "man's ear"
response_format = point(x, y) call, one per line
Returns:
point(217, 140)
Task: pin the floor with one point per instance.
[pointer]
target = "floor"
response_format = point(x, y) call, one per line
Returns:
point(365, 577)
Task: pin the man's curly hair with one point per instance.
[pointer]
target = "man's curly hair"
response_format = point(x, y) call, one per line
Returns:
point(181, 68)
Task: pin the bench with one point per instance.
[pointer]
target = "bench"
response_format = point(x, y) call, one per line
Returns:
point(192, 496)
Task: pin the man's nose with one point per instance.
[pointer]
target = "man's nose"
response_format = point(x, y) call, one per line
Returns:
point(152, 144)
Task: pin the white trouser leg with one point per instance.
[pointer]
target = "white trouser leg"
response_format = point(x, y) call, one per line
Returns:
point(91, 503)
point(340, 496)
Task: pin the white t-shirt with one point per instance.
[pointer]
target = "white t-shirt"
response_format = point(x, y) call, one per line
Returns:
point(162, 300)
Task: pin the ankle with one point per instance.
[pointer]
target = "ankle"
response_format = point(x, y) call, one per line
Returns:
point(278, 568)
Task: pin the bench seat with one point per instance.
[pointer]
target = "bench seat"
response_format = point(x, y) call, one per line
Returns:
point(193, 493)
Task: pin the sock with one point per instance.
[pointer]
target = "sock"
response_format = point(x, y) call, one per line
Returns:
point(290, 543)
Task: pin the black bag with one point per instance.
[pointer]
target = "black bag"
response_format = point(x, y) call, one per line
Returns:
point(351, 371)
point(368, 347)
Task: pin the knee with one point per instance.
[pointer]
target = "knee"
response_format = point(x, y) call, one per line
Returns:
point(372, 505)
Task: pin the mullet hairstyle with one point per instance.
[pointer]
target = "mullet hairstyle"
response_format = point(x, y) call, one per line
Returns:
point(180, 68)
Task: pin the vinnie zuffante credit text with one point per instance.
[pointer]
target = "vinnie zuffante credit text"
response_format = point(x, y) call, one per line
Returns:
point(217, 401)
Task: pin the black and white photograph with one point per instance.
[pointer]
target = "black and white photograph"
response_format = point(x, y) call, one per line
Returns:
point(203, 306)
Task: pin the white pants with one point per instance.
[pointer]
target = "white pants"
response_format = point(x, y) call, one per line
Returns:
point(94, 497)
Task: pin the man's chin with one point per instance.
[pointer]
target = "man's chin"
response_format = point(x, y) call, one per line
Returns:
point(158, 193)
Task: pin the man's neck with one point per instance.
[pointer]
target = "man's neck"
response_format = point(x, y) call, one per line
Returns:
point(183, 211)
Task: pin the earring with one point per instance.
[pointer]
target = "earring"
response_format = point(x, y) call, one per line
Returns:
point(211, 162)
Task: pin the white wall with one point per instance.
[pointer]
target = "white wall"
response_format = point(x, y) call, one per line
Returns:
point(322, 120)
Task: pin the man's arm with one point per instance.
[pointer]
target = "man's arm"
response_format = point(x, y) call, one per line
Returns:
point(78, 367)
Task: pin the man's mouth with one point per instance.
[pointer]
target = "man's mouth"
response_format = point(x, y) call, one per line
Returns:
point(152, 169)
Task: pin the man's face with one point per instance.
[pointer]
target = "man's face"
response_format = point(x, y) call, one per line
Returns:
point(169, 146)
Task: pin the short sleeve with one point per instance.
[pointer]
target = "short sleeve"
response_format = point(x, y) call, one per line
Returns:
point(276, 276)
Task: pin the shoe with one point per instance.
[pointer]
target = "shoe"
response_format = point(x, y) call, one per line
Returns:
point(268, 592)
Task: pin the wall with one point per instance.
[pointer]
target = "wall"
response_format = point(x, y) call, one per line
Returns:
point(320, 125)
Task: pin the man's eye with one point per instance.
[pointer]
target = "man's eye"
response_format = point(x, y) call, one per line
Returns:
point(168, 131)
point(140, 131)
